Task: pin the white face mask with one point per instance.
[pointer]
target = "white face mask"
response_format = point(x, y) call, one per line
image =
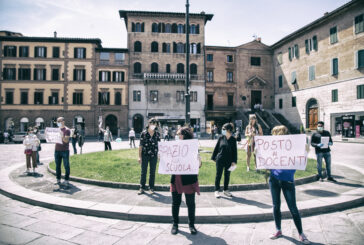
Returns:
point(320, 129)
point(152, 127)
point(59, 124)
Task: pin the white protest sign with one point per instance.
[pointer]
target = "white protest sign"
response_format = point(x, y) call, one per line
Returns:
point(53, 135)
point(178, 157)
point(325, 141)
point(281, 152)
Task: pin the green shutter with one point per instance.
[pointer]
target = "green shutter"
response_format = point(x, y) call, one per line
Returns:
point(307, 47)
point(314, 40)
point(296, 51)
point(280, 82)
point(361, 58)
point(289, 53)
point(335, 66)
point(293, 77)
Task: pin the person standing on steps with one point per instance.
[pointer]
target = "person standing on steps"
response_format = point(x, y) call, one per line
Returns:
point(251, 130)
point(62, 152)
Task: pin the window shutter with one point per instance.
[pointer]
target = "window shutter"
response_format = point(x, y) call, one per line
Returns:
point(20, 52)
point(198, 29)
point(289, 53)
point(314, 40)
point(5, 51)
point(356, 60)
point(99, 98)
point(74, 74)
point(307, 47)
point(84, 53)
point(108, 76)
point(159, 27)
point(174, 47)
point(184, 28)
point(45, 52)
point(75, 53)
point(132, 27)
point(114, 76)
point(44, 74)
point(84, 75)
point(296, 51)
point(122, 76)
point(35, 74)
point(74, 98)
point(143, 27)
point(100, 76)
point(164, 47)
point(199, 48)
point(163, 28)
point(81, 98)
point(35, 51)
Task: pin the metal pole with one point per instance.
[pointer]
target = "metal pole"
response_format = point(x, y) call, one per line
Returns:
point(187, 95)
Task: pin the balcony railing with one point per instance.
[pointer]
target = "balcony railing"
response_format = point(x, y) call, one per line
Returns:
point(170, 76)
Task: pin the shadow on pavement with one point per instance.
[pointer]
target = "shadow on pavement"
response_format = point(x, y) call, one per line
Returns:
point(321, 193)
point(348, 184)
point(247, 202)
point(70, 189)
point(202, 238)
point(35, 175)
point(294, 241)
point(159, 198)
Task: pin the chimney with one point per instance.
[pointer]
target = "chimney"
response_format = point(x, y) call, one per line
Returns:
point(55, 34)
point(259, 39)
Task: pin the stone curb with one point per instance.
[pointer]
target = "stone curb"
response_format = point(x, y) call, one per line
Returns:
point(236, 214)
point(203, 188)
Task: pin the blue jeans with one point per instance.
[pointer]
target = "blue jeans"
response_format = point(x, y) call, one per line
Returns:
point(58, 156)
point(153, 164)
point(327, 157)
point(289, 192)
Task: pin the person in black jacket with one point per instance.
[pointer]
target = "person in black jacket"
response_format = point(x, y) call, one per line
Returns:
point(322, 152)
point(225, 155)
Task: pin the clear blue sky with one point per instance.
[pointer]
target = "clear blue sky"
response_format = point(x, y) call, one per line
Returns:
point(234, 22)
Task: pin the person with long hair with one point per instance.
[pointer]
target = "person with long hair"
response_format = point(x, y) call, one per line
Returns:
point(251, 130)
point(225, 155)
point(283, 180)
point(187, 184)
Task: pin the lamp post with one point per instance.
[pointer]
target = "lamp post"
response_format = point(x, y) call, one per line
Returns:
point(187, 95)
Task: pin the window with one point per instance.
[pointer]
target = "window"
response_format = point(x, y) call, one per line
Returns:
point(104, 98)
point(53, 99)
point(294, 101)
point(40, 52)
point(23, 51)
point(55, 74)
point(168, 68)
point(79, 75)
point(180, 68)
point(308, 46)
point(280, 81)
point(193, 96)
point(311, 73)
point(166, 47)
point(230, 98)
point(210, 76)
point(255, 61)
point(180, 48)
point(210, 57)
point(180, 96)
point(193, 69)
point(118, 76)
point(9, 73)
point(335, 67)
point(104, 56)
point(229, 58)
point(229, 77)
point(9, 97)
point(168, 28)
point(24, 74)
point(289, 54)
point(24, 97)
point(137, 27)
point(137, 96)
point(38, 98)
point(55, 52)
point(293, 77)
point(360, 59)
point(9, 51)
point(154, 68)
point(359, 24)
point(334, 95)
point(137, 46)
point(137, 67)
point(117, 98)
point(154, 27)
point(314, 43)
point(180, 28)
point(296, 51)
point(333, 35)
point(174, 28)
point(104, 76)
point(154, 47)
point(195, 29)
point(40, 74)
point(119, 58)
point(280, 103)
point(78, 98)
point(360, 91)
point(154, 96)
point(79, 53)
point(279, 58)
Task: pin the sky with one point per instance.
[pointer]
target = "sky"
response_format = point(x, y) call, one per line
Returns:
point(235, 22)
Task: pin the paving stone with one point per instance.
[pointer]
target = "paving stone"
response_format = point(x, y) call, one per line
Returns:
point(11, 235)
point(142, 235)
point(17, 220)
point(46, 240)
point(94, 238)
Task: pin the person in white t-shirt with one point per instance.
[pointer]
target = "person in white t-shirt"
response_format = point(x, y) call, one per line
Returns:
point(132, 137)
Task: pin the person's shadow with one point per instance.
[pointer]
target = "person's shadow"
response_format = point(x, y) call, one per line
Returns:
point(70, 189)
point(247, 202)
point(159, 197)
point(202, 238)
point(294, 241)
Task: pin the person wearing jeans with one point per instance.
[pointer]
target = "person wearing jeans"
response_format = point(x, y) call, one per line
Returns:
point(62, 152)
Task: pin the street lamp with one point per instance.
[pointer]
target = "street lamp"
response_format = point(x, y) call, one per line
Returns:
point(187, 95)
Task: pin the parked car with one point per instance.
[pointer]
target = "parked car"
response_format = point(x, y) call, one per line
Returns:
point(19, 137)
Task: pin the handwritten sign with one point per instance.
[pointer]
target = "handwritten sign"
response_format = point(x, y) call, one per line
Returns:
point(178, 157)
point(281, 152)
point(325, 141)
point(53, 135)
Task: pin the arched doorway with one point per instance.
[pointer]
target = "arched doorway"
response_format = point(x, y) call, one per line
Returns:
point(39, 122)
point(312, 114)
point(24, 122)
point(138, 123)
point(112, 122)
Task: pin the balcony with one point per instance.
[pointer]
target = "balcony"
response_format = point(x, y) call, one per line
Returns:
point(170, 76)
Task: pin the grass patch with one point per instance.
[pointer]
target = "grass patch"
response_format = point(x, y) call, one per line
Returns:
point(123, 166)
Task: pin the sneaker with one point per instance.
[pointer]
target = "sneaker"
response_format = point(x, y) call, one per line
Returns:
point(331, 179)
point(322, 179)
point(193, 230)
point(227, 193)
point(152, 191)
point(304, 239)
point(141, 191)
point(247, 169)
point(58, 182)
point(66, 183)
point(318, 177)
point(217, 194)
point(276, 235)
point(174, 229)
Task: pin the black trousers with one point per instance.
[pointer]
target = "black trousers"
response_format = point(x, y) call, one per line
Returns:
point(191, 206)
point(152, 161)
point(220, 167)
point(107, 145)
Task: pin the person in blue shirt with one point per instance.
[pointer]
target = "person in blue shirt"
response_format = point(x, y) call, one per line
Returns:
point(283, 180)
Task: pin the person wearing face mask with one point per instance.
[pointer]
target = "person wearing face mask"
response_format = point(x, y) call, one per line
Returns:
point(107, 138)
point(31, 143)
point(62, 152)
point(322, 152)
point(148, 154)
point(225, 155)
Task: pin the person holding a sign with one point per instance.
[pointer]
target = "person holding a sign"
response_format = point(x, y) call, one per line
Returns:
point(225, 155)
point(148, 153)
point(283, 179)
point(187, 184)
point(62, 152)
point(251, 130)
point(322, 141)
point(31, 143)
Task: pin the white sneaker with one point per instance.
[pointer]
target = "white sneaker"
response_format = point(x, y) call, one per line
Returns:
point(217, 194)
point(247, 169)
point(66, 183)
point(227, 193)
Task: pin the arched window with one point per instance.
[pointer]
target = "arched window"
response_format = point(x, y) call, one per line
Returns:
point(166, 48)
point(154, 47)
point(138, 27)
point(174, 28)
point(117, 98)
point(180, 28)
point(180, 48)
point(193, 48)
point(39, 122)
point(137, 46)
point(193, 69)
point(154, 27)
point(137, 67)
point(168, 28)
point(180, 68)
point(154, 68)
point(193, 29)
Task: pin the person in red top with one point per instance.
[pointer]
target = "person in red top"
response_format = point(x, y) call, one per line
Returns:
point(62, 152)
point(187, 184)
